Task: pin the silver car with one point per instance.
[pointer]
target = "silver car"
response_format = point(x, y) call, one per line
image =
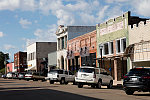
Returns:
point(96, 77)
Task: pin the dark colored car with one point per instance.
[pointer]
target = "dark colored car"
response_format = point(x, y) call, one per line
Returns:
point(138, 79)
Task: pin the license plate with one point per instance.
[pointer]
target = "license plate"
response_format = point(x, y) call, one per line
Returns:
point(134, 79)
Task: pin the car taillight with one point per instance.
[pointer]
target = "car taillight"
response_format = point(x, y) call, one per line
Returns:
point(146, 77)
point(125, 76)
point(94, 76)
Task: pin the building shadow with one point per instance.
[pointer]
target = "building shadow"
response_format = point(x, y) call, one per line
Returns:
point(148, 94)
point(40, 94)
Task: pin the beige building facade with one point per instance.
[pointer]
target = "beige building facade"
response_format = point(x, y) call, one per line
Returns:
point(139, 41)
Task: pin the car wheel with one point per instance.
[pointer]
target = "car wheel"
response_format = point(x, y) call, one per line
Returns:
point(93, 86)
point(66, 83)
point(80, 85)
point(51, 82)
point(99, 84)
point(110, 85)
point(129, 92)
point(74, 83)
point(62, 81)
point(43, 80)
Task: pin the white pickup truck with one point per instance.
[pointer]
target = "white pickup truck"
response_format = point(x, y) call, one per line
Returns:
point(62, 76)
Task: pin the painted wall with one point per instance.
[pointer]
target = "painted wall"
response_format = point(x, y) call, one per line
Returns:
point(10, 67)
point(139, 32)
point(111, 30)
point(30, 49)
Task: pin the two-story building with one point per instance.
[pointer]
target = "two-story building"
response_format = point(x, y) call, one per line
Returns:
point(63, 35)
point(20, 61)
point(112, 40)
point(37, 53)
point(81, 51)
point(139, 44)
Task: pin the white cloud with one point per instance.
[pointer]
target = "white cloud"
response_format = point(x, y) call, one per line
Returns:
point(141, 7)
point(9, 4)
point(43, 35)
point(1, 34)
point(101, 13)
point(28, 5)
point(24, 23)
point(8, 47)
point(112, 1)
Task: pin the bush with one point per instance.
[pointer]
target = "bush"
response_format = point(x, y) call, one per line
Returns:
point(2, 71)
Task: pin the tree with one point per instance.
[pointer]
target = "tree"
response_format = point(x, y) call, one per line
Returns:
point(2, 59)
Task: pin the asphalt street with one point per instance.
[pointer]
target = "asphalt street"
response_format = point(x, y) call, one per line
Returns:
point(13, 89)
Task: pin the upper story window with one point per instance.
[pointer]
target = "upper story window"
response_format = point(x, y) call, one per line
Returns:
point(111, 49)
point(58, 44)
point(106, 50)
point(62, 43)
point(120, 45)
point(123, 42)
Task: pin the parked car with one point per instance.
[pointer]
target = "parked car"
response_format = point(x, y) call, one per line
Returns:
point(15, 75)
point(29, 76)
point(3, 76)
point(38, 76)
point(96, 77)
point(137, 79)
point(21, 75)
point(62, 76)
point(10, 75)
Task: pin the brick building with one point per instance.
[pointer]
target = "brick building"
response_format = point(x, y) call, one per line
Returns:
point(112, 40)
point(81, 51)
point(10, 67)
point(63, 35)
point(20, 61)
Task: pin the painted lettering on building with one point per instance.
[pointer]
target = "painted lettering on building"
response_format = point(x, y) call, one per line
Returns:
point(112, 28)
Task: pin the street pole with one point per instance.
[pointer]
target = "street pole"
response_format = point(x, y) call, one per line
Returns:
point(101, 47)
point(5, 64)
point(101, 58)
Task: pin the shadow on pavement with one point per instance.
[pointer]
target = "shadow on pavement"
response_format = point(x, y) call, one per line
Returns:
point(118, 87)
point(41, 94)
point(141, 94)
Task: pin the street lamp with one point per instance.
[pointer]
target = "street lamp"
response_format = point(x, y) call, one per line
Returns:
point(101, 47)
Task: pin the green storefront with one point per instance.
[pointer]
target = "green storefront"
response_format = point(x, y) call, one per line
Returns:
point(112, 40)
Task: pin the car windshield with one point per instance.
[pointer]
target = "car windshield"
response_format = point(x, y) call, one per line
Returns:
point(56, 71)
point(86, 70)
point(139, 72)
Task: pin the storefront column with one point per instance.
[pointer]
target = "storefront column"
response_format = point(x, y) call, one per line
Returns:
point(115, 69)
point(65, 42)
point(80, 61)
point(60, 43)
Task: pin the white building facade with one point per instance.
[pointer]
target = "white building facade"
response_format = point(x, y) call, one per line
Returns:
point(37, 53)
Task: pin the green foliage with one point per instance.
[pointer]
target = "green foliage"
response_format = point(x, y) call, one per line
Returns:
point(2, 71)
point(2, 59)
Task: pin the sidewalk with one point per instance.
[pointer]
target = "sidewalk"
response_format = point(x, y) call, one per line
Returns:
point(117, 82)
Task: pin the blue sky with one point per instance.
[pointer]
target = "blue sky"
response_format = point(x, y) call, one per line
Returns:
point(23, 22)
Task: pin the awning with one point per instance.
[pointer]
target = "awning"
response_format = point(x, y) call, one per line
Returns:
point(129, 50)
